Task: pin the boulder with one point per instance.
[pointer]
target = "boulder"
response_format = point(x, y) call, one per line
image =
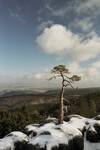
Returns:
point(77, 143)
point(77, 121)
point(31, 130)
point(92, 135)
point(93, 131)
point(13, 140)
point(51, 136)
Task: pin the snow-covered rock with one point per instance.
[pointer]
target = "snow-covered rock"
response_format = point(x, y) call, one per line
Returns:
point(32, 129)
point(77, 121)
point(93, 131)
point(92, 135)
point(69, 135)
point(76, 133)
point(51, 135)
point(10, 141)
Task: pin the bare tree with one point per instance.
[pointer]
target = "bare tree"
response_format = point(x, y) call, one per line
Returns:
point(62, 72)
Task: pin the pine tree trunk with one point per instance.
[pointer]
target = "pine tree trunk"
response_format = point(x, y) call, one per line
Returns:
point(61, 105)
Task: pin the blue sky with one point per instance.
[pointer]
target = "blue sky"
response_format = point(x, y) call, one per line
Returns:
point(35, 35)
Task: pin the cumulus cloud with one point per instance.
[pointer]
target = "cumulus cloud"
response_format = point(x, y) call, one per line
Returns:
point(57, 39)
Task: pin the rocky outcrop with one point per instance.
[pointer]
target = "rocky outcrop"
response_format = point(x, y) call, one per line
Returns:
point(76, 133)
point(51, 136)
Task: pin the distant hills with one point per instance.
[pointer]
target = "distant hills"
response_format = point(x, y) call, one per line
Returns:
point(82, 101)
point(47, 91)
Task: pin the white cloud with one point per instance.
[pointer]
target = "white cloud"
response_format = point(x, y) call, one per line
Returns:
point(96, 65)
point(90, 76)
point(83, 13)
point(38, 76)
point(89, 6)
point(24, 81)
point(41, 75)
point(57, 11)
point(79, 7)
point(85, 24)
point(56, 39)
point(74, 68)
point(59, 40)
point(91, 73)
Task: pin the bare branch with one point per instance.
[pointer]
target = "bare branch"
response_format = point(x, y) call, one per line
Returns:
point(69, 83)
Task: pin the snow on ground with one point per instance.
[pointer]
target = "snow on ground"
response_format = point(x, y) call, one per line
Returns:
point(52, 134)
point(7, 143)
point(32, 127)
point(17, 136)
point(77, 122)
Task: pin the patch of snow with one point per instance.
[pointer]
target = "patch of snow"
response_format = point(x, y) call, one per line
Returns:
point(18, 136)
point(8, 141)
point(77, 123)
point(51, 118)
point(52, 134)
point(76, 116)
point(70, 129)
point(91, 123)
point(58, 134)
point(50, 140)
point(32, 127)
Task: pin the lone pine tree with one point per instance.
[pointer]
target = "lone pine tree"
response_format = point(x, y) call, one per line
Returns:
point(62, 72)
